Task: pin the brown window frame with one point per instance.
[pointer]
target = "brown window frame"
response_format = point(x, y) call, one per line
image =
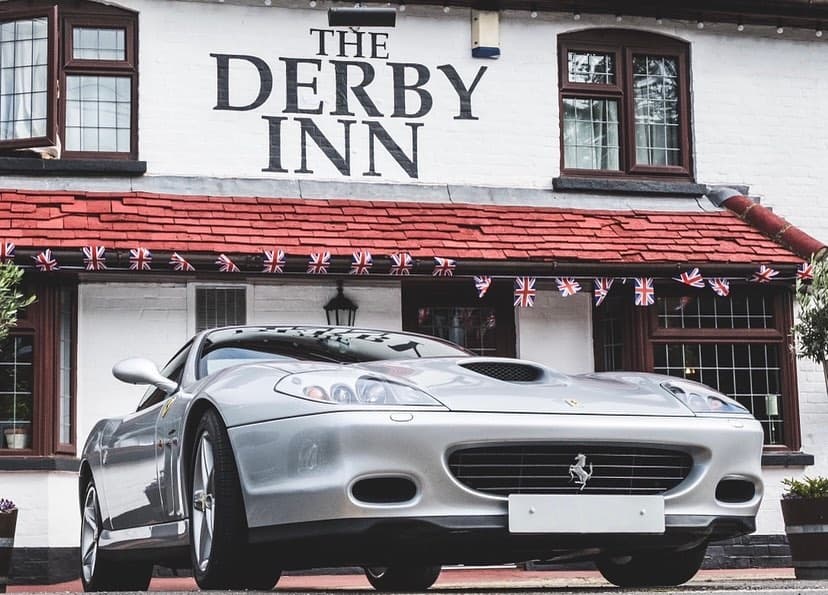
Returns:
point(63, 17)
point(641, 333)
point(416, 294)
point(624, 44)
point(41, 321)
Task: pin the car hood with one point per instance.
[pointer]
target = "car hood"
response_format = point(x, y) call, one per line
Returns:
point(516, 386)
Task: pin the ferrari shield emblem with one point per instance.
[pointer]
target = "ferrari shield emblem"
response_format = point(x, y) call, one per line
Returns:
point(166, 408)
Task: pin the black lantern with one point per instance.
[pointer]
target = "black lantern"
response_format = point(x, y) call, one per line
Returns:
point(340, 310)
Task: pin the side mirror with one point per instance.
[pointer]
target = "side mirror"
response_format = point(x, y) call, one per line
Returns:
point(137, 370)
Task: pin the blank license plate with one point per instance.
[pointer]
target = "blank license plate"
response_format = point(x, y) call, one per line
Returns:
point(565, 513)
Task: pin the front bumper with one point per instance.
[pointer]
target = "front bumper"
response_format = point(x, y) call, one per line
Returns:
point(296, 475)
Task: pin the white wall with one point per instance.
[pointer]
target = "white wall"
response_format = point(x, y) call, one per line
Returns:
point(48, 515)
point(557, 332)
point(754, 94)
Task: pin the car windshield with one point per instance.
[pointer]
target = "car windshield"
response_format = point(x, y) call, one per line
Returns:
point(231, 346)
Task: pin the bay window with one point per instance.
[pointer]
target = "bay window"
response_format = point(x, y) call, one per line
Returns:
point(739, 345)
point(81, 94)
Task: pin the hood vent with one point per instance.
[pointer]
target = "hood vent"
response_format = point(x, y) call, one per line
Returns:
point(506, 371)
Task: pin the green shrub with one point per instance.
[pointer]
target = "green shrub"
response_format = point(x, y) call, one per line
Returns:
point(12, 299)
point(811, 330)
point(807, 487)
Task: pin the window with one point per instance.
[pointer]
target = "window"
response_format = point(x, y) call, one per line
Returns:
point(738, 345)
point(624, 104)
point(485, 326)
point(220, 306)
point(37, 376)
point(80, 94)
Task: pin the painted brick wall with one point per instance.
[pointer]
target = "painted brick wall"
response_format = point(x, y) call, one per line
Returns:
point(754, 116)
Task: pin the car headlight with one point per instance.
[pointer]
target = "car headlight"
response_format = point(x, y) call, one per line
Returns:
point(351, 387)
point(701, 398)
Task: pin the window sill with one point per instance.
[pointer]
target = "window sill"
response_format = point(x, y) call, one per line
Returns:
point(34, 463)
point(75, 167)
point(787, 459)
point(627, 186)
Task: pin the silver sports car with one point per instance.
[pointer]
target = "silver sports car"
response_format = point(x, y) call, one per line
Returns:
point(262, 449)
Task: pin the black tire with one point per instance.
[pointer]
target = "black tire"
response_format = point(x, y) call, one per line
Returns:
point(402, 577)
point(653, 569)
point(99, 571)
point(229, 562)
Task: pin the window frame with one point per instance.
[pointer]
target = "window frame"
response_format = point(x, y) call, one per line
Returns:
point(625, 44)
point(642, 333)
point(29, 11)
point(63, 18)
point(419, 293)
point(41, 321)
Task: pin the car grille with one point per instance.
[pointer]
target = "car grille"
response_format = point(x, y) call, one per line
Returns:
point(544, 469)
point(507, 371)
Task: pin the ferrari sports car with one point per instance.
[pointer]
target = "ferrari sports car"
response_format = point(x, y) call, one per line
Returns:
point(260, 449)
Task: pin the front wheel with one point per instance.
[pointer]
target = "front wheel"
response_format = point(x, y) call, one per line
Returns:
point(99, 573)
point(221, 556)
point(652, 569)
point(402, 577)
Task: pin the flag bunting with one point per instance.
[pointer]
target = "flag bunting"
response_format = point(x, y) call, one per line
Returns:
point(6, 252)
point(319, 262)
point(602, 288)
point(644, 291)
point(226, 265)
point(525, 292)
point(567, 286)
point(765, 274)
point(45, 262)
point(362, 263)
point(94, 257)
point(443, 267)
point(691, 278)
point(179, 263)
point(140, 259)
point(274, 261)
point(482, 285)
point(401, 263)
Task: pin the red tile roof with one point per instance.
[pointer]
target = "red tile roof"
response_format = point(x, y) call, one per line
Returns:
point(215, 224)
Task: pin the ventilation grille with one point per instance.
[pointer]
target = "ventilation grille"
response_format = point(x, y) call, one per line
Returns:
point(545, 469)
point(506, 371)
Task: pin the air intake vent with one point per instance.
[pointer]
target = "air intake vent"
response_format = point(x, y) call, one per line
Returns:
point(558, 468)
point(506, 371)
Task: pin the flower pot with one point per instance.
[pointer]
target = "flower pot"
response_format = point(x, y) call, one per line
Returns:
point(8, 522)
point(17, 438)
point(806, 524)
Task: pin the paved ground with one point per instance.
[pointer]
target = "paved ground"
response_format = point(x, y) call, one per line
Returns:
point(498, 580)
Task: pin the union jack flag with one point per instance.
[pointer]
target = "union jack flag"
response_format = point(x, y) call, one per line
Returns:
point(720, 286)
point(274, 261)
point(644, 291)
point(6, 252)
point(140, 259)
point(94, 257)
point(443, 267)
point(692, 278)
point(179, 263)
point(525, 292)
point(764, 275)
point(482, 285)
point(362, 263)
point(805, 272)
point(568, 286)
point(602, 287)
point(45, 262)
point(319, 263)
point(226, 265)
point(401, 263)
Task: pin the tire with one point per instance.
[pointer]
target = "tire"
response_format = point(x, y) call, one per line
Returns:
point(220, 554)
point(99, 572)
point(653, 569)
point(402, 577)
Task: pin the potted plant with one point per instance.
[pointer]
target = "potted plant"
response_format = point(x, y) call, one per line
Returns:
point(805, 510)
point(8, 522)
point(811, 330)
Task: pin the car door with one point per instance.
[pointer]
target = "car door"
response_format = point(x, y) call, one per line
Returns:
point(132, 459)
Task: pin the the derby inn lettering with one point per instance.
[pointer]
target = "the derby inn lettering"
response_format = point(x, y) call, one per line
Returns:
point(353, 84)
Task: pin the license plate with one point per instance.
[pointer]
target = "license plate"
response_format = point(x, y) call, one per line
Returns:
point(581, 513)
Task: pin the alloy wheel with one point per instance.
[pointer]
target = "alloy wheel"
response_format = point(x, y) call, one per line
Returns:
point(89, 534)
point(204, 507)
